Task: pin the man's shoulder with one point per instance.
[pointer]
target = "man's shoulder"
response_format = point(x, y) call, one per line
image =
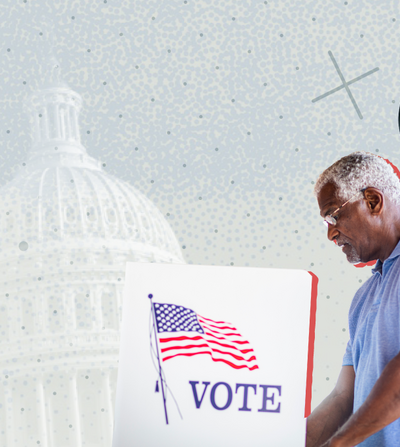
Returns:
point(369, 284)
point(371, 292)
point(364, 294)
point(394, 272)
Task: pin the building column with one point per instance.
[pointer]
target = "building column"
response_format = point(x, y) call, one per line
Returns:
point(76, 410)
point(75, 124)
point(56, 121)
point(68, 312)
point(62, 123)
point(68, 133)
point(43, 431)
point(108, 419)
point(46, 126)
point(98, 311)
point(36, 128)
point(9, 415)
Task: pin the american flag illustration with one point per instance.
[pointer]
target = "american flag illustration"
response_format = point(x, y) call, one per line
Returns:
point(183, 332)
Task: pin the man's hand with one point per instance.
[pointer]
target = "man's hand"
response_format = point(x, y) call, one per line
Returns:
point(332, 413)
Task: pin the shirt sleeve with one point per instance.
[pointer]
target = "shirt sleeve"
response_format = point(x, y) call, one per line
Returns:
point(348, 355)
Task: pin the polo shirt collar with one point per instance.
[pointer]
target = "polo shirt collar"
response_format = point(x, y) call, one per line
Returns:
point(379, 264)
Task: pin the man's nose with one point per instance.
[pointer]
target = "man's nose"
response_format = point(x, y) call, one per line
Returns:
point(333, 232)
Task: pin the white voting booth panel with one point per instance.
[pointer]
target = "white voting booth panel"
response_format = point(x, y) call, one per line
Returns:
point(234, 347)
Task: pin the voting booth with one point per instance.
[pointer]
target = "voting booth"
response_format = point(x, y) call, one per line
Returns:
point(215, 356)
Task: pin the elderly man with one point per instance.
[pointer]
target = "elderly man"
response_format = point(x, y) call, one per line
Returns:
point(359, 200)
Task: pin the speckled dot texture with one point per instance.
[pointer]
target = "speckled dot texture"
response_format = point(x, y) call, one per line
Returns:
point(207, 110)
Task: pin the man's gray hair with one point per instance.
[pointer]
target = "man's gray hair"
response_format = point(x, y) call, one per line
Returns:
point(357, 171)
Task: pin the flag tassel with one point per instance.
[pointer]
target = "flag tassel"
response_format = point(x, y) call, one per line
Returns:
point(157, 389)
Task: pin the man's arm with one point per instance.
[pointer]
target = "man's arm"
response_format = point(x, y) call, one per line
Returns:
point(381, 407)
point(333, 411)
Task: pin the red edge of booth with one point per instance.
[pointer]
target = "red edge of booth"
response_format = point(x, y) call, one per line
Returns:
point(311, 339)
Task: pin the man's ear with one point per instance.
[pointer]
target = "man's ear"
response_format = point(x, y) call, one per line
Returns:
point(375, 200)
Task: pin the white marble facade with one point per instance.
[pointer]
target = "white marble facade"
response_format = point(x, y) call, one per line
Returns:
point(67, 230)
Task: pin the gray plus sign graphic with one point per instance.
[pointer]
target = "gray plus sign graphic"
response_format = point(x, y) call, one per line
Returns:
point(345, 85)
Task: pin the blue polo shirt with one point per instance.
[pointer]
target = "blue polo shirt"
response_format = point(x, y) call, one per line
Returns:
point(374, 326)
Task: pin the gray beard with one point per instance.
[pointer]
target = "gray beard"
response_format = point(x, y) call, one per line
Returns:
point(352, 256)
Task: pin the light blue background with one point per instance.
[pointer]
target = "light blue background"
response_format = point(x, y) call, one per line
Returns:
point(206, 108)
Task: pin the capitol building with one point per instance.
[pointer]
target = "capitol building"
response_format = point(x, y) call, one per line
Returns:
point(67, 228)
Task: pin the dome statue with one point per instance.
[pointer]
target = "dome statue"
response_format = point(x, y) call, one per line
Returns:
point(67, 228)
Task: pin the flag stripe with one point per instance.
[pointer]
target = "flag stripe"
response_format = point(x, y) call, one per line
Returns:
point(190, 346)
point(183, 337)
point(237, 357)
point(231, 328)
point(205, 345)
point(166, 340)
point(223, 333)
point(233, 365)
point(215, 354)
point(213, 321)
point(240, 342)
point(220, 326)
point(235, 350)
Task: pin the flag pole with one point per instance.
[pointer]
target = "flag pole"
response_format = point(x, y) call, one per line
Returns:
point(158, 358)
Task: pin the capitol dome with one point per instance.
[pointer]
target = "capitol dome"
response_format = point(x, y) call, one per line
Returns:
point(67, 197)
point(61, 193)
point(67, 229)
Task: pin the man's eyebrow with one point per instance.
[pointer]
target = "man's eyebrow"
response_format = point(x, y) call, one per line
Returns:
point(328, 211)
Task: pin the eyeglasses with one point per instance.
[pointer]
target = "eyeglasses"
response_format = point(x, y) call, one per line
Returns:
point(330, 220)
